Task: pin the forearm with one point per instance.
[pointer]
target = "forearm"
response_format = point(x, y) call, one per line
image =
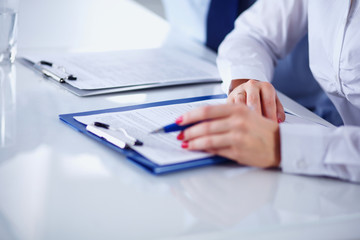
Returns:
point(238, 64)
point(260, 38)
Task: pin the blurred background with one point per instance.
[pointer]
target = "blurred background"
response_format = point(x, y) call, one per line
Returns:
point(154, 6)
point(90, 25)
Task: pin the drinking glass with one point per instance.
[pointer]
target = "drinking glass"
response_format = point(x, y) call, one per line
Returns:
point(8, 30)
point(7, 105)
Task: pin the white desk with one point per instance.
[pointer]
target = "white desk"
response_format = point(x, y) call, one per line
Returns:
point(55, 183)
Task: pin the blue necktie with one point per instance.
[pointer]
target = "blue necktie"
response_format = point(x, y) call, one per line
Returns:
point(220, 19)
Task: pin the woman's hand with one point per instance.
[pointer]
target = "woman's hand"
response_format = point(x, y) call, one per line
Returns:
point(233, 131)
point(260, 96)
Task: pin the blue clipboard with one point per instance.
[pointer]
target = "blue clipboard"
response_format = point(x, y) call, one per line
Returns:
point(135, 156)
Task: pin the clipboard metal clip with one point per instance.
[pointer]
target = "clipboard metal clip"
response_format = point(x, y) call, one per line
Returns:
point(49, 70)
point(53, 71)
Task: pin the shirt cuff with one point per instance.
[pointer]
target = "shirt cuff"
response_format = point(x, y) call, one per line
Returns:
point(247, 72)
point(228, 72)
point(303, 148)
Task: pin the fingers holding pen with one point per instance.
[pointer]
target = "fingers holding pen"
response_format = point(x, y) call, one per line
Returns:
point(208, 142)
point(216, 123)
point(205, 128)
point(208, 113)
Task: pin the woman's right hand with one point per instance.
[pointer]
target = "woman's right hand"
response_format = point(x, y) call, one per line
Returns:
point(259, 96)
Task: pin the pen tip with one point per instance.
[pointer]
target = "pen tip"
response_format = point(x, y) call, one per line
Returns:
point(156, 131)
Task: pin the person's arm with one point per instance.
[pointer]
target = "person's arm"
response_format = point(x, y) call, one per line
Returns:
point(263, 34)
point(238, 133)
point(321, 151)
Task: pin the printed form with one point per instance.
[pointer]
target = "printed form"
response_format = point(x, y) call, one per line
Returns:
point(160, 148)
point(133, 67)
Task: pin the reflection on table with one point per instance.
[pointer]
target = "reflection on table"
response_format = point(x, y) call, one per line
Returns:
point(243, 198)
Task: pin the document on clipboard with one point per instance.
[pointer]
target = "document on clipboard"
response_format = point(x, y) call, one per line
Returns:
point(159, 153)
point(162, 149)
point(97, 73)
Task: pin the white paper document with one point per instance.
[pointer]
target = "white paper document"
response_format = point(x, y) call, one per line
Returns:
point(133, 68)
point(161, 148)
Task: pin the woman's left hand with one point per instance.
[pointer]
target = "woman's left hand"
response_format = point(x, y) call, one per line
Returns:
point(233, 131)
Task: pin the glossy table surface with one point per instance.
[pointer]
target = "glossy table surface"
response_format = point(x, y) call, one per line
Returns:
point(55, 183)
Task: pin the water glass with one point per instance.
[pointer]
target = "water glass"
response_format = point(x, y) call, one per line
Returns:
point(8, 30)
point(7, 105)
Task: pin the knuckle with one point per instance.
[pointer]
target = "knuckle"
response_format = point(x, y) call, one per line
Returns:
point(206, 127)
point(230, 99)
point(238, 138)
point(268, 86)
point(240, 99)
point(208, 142)
point(252, 98)
point(205, 111)
point(268, 101)
point(238, 123)
point(239, 108)
point(187, 133)
point(252, 82)
point(191, 144)
point(238, 89)
point(231, 95)
point(187, 116)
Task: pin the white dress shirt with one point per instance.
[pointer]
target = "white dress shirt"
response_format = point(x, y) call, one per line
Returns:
point(267, 32)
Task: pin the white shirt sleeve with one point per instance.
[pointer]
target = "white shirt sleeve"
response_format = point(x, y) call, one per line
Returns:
point(261, 37)
point(321, 151)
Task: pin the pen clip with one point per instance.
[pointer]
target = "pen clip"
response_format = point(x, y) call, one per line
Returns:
point(134, 141)
point(101, 134)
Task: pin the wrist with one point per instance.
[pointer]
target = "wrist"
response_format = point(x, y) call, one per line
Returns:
point(277, 147)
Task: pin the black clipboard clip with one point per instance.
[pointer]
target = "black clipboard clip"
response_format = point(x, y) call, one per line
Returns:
point(50, 70)
point(68, 76)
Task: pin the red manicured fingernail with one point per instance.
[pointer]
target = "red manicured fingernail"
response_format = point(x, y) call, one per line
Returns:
point(279, 120)
point(185, 145)
point(179, 120)
point(180, 136)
